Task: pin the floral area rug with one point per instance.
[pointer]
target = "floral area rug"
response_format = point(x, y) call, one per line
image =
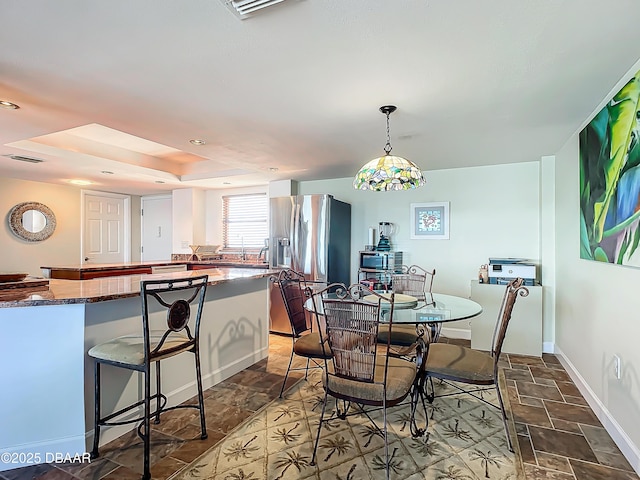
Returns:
point(466, 441)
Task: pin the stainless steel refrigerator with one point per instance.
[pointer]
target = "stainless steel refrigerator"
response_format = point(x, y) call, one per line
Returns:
point(310, 234)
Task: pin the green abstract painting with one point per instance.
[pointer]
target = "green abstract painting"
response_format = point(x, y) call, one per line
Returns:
point(610, 180)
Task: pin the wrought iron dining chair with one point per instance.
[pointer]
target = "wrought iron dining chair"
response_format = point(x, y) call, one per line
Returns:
point(360, 372)
point(174, 299)
point(465, 365)
point(306, 342)
point(417, 282)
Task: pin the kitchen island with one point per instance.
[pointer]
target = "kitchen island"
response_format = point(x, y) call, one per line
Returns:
point(47, 376)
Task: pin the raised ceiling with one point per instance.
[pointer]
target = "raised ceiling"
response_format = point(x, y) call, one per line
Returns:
point(122, 86)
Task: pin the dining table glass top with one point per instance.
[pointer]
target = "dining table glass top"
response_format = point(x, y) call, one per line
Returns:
point(438, 308)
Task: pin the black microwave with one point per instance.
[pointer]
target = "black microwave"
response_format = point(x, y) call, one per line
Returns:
point(374, 260)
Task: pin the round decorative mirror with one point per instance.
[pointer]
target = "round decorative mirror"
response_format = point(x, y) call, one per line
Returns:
point(32, 221)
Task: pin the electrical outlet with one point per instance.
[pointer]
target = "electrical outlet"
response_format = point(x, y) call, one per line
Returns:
point(185, 244)
point(617, 367)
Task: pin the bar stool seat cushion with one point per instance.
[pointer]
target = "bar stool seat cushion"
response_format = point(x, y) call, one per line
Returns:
point(400, 377)
point(130, 349)
point(309, 346)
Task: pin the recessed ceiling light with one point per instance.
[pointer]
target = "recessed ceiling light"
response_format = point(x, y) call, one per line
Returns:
point(106, 172)
point(226, 183)
point(9, 105)
point(22, 158)
point(159, 181)
point(198, 142)
point(80, 182)
point(273, 169)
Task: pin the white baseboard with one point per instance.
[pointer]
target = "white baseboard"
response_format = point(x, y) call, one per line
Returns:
point(619, 436)
point(45, 452)
point(456, 333)
point(548, 347)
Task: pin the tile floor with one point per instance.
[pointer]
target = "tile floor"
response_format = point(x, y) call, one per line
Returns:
point(559, 436)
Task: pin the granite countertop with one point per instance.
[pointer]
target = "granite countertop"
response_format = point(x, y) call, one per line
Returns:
point(122, 266)
point(65, 292)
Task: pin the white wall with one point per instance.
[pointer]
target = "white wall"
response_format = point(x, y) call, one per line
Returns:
point(63, 247)
point(42, 350)
point(494, 212)
point(597, 315)
point(189, 219)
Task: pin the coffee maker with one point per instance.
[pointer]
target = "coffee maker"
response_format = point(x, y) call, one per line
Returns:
point(385, 229)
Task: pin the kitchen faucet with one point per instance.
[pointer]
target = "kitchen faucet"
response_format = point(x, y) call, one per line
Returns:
point(263, 251)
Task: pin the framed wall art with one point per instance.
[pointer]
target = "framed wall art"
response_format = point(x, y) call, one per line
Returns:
point(430, 221)
point(610, 180)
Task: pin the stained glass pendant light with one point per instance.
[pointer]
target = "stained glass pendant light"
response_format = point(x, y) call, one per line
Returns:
point(388, 172)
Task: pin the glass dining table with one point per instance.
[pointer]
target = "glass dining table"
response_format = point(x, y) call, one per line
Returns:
point(427, 316)
point(438, 308)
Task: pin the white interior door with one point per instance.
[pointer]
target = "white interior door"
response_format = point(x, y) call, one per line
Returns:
point(156, 226)
point(106, 228)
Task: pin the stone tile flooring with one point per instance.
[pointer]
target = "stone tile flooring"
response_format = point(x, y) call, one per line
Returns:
point(559, 436)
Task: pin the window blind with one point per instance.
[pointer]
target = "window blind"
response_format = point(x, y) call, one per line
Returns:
point(244, 219)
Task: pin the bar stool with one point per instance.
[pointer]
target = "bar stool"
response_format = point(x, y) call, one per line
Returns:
point(176, 297)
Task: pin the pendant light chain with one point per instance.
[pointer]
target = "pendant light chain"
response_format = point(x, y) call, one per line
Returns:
point(387, 147)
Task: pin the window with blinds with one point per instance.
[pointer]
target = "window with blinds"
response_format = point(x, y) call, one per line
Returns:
point(244, 219)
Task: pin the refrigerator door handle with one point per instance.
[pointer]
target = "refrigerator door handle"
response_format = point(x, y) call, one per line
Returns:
point(294, 249)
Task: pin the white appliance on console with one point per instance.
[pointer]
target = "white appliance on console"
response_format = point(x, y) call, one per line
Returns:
point(503, 270)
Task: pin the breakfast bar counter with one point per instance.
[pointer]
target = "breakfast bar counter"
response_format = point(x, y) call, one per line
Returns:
point(103, 289)
point(48, 377)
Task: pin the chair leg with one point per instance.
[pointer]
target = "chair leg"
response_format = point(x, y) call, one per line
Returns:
point(504, 418)
point(203, 426)
point(158, 391)
point(146, 437)
point(418, 394)
point(96, 424)
point(306, 371)
point(386, 439)
point(287, 374)
point(430, 396)
point(315, 445)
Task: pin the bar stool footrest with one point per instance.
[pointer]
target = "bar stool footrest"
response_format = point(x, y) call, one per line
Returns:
point(105, 420)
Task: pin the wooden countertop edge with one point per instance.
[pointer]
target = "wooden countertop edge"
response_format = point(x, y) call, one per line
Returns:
point(71, 292)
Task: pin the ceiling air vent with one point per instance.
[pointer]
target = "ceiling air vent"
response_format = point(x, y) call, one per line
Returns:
point(21, 158)
point(245, 8)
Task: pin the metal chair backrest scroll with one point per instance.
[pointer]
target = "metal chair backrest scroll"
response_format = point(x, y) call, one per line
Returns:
point(178, 311)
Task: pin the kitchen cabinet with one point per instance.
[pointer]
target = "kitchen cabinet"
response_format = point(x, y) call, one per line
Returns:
point(524, 334)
